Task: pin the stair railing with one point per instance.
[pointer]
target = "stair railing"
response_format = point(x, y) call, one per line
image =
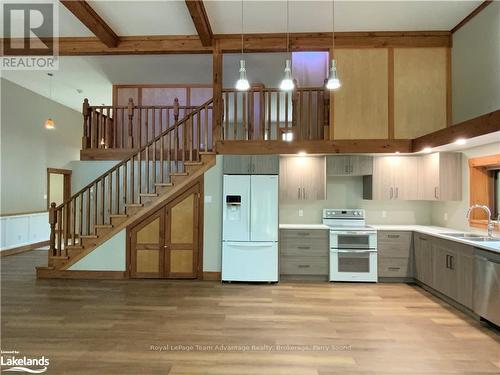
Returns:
point(121, 186)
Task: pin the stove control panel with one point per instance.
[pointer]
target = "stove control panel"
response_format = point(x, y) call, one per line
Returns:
point(349, 213)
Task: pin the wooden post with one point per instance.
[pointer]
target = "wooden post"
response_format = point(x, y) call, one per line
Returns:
point(326, 113)
point(217, 93)
point(86, 125)
point(52, 222)
point(176, 132)
point(295, 111)
point(130, 110)
point(176, 109)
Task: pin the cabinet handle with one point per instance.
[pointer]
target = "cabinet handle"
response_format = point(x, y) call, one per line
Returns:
point(303, 247)
point(394, 268)
point(397, 193)
point(393, 235)
point(422, 238)
point(447, 261)
point(352, 169)
point(391, 193)
point(298, 193)
point(452, 265)
point(345, 168)
point(303, 193)
point(303, 233)
point(304, 265)
point(436, 194)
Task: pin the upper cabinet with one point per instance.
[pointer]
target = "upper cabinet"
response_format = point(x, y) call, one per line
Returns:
point(302, 178)
point(251, 164)
point(420, 91)
point(440, 177)
point(349, 165)
point(435, 177)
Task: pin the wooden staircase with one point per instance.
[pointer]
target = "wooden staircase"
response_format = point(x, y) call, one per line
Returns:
point(134, 188)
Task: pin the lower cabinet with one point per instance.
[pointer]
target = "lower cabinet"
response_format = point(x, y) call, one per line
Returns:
point(422, 245)
point(304, 253)
point(394, 254)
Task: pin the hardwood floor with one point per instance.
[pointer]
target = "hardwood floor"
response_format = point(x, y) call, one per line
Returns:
point(160, 326)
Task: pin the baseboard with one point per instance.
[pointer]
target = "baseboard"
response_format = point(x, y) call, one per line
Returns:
point(50, 273)
point(212, 276)
point(304, 278)
point(23, 249)
point(405, 280)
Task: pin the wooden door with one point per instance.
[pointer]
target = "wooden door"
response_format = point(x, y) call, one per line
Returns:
point(146, 244)
point(428, 177)
point(290, 179)
point(182, 220)
point(383, 177)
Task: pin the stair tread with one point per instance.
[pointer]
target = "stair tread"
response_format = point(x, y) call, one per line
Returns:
point(148, 195)
point(74, 247)
point(134, 205)
point(103, 226)
point(89, 236)
point(45, 268)
point(178, 174)
point(206, 152)
point(164, 184)
point(59, 257)
point(193, 163)
point(118, 215)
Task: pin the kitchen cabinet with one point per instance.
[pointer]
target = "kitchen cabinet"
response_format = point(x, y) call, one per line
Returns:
point(393, 179)
point(302, 178)
point(304, 253)
point(349, 165)
point(394, 254)
point(440, 177)
point(423, 263)
point(251, 164)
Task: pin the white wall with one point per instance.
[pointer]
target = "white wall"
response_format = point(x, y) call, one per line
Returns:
point(476, 65)
point(455, 211)
point(27, 148)
point(109, 256)
point(84, 172)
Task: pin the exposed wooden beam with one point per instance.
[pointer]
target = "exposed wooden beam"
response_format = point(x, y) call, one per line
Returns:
point(88, 16)
point(169, 44)
point(314, 147)
point(201, 22)
point(471, 15)
point(475, 127)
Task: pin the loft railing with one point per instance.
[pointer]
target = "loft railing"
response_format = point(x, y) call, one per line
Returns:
point(270, 114)
point(110, 193)
point(130, 126)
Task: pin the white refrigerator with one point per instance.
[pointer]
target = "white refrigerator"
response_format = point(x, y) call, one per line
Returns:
point(250, 228)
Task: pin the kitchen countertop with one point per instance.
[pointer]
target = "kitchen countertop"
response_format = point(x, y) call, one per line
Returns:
point(304, 226)
point(437, 232)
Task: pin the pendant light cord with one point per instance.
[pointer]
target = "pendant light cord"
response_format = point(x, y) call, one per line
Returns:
point(287, 26)
point(333, 27)
point(50, 85)
point(242, 30)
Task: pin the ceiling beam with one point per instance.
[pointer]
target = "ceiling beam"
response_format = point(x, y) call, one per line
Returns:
point(88, 16)
point(186, 44)
point(201, 22)
point(471, 15)
point(475, 127)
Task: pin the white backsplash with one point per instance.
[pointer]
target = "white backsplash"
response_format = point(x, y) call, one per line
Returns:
point(347, 192)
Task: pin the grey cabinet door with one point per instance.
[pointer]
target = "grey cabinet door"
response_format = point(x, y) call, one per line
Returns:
point(423, 259)
point(265, 164)
point(445, 269)
point(361, 165)
point(290, 179)
point(237, 164)
point(338, 165)
point(313, 178)
point(465, 271)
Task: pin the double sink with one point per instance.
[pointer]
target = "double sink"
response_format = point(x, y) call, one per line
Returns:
point(472, 237)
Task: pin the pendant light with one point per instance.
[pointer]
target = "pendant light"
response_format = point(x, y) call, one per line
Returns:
point(287, 82)
point(242, 83)
point(49, 123)
point(333, 81)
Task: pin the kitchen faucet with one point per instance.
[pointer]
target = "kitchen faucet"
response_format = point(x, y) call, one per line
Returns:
point(488, 212)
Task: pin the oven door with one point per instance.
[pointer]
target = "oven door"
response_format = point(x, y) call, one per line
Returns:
point(353, 240)
point(353, 265)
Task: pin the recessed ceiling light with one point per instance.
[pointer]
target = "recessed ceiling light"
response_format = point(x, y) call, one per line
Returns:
point(397, 152)
point(302, 153)
point(427, 150)
point(461, 141)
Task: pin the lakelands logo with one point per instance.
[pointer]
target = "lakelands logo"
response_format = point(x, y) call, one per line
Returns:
point(30, 31)
point(11, 361)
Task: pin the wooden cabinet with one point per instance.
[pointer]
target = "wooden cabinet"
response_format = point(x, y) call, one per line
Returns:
point(251, 164)
point(302, 178)
point(393, 178)
point(304, 253)
point(349, 165)
point(394, 254)
point(423, 262)
point(444, 269)
point(440, 177)
point(435, 177)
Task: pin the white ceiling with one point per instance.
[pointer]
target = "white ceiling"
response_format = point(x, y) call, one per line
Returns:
point(172, 18)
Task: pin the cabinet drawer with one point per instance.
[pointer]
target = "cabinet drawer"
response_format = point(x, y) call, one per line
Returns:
point(394, 244)
point(304, 265)
point(295, 234)
point(394, 267)
point(309, 247)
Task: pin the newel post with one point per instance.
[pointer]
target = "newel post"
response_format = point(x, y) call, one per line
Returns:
point(326, 113)
point(130, 111)
point(52, 222)
point(86, 123)
point(176, 109)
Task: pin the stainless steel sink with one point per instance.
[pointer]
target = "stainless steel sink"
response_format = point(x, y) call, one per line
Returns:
point(484, 239)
